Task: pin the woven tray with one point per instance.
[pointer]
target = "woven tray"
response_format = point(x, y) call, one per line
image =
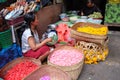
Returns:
point(98, 41)
point(81, 24)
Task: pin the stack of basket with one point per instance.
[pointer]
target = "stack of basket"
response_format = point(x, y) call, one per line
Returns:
point(92, 39)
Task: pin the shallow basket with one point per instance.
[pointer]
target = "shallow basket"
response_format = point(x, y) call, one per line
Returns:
point(74, 70)
point(6, 39)
point(52, 73)
point(8, 66)
point(80, 24)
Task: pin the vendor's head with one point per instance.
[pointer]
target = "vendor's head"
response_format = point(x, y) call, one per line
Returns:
point(89, 3)
point(31, 19)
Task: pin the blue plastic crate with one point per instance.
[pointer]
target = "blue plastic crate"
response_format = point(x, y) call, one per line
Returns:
point(8, 54)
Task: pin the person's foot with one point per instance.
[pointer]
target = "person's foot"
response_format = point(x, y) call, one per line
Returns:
point(44, 56)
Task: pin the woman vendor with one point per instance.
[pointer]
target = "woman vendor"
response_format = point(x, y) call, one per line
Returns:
point(31, 45)
point(89, 8)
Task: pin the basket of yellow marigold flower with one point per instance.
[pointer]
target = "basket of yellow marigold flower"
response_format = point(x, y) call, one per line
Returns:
point(90, 30)
point(93, 52)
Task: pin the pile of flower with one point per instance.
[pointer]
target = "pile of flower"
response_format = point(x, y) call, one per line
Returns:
point(93, 30)
point(66, 57)
point(94, 57)
point(45, 78)
point(20, 70)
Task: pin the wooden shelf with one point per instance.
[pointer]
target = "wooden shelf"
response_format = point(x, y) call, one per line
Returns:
point(113, 24)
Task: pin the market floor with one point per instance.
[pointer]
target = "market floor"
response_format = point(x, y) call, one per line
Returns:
point(110, 68)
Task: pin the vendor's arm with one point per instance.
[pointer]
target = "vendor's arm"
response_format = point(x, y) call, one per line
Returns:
point(35, 46)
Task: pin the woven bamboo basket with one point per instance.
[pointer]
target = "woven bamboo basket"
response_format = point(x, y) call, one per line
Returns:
point(74, 32)
point(74, 70)
point(8, 66)
point(93, 52)
point(81, 24)
point(47, 72)
point(98, 41)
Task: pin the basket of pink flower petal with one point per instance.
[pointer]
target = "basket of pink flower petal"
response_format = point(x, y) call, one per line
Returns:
point(68, 59)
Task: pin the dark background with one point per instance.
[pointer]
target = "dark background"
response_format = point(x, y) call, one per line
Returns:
point(69, 4)
point(79, 4)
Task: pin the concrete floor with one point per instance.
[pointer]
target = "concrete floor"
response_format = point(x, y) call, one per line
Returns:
point(110, 68)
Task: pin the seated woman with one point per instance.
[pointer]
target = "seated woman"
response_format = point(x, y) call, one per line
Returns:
point(31, 45)
point(89, 8)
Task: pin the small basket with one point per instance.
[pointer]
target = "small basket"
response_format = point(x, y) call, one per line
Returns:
point(93, 52)
point(6, 39)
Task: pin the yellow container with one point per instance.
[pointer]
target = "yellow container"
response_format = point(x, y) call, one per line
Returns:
point(114, 1)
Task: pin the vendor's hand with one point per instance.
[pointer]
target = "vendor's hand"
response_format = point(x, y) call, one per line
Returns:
point(82, 14)
point(48, 40)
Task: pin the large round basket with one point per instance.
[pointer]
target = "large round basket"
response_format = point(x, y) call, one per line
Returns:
point(74, 70)
point(47, 72)
point(8, 66)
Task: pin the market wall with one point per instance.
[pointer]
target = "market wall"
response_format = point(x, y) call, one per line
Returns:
point(48, 15)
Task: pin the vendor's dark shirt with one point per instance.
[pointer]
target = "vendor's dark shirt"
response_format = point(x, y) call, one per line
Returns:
point(87, 11)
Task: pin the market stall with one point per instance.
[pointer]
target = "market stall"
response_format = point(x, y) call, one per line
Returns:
point(75, 40)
